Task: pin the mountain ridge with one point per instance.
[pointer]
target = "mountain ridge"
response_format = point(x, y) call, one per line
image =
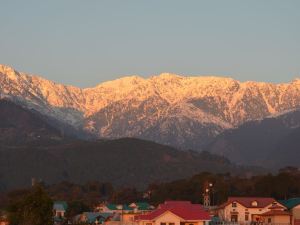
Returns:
point(271, 142)
point(174, 105)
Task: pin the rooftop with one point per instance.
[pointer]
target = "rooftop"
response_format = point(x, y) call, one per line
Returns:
point(290, 203)
point(250, 202)
point(183, 209)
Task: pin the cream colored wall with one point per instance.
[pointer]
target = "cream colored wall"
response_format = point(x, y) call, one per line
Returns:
point(167, 218)
point(282, 219)
point(226, 214)
point(279, 219)
point(296, 212)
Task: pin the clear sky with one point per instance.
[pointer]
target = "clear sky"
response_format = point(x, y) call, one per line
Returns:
point(85, 42)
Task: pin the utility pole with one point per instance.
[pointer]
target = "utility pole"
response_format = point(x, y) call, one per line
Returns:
point(207, 190)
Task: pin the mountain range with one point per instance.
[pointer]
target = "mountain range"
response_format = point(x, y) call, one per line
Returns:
point(31, 147)
point(199, 113)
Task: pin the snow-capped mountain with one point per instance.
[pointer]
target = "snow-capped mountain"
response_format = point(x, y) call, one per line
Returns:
point(185, 112)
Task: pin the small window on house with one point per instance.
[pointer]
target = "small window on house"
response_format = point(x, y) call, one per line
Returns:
point(246, 217)
point(163, 224)
point(233, 205)
point(254, 203)
point(269, 220)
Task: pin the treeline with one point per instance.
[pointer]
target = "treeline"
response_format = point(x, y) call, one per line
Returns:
point(285, 184)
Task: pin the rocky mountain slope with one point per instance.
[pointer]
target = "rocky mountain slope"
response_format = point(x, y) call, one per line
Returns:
point(272, 142)
point(19, 126)
point(186, 112)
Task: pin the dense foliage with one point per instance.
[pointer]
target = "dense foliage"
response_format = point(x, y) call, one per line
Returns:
point(285, 184)
point(33, 207)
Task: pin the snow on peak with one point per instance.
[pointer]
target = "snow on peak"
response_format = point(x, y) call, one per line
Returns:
point(9, 72)
point(221, 100)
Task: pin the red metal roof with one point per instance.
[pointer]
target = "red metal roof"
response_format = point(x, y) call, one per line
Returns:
point(182, 209)
point(247, 201)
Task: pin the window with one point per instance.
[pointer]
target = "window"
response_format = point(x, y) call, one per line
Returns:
point(233, 205)
point(269, 220)
point(163, 224)
point(171, 223)
point(234, 218)
point(254, 203)
point(246, 217)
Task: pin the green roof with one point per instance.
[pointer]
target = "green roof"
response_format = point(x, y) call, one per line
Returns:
point(60, 205)
point(143, 205)
point(290, 203)
point(93, 216)
point(111, 206)
point(126, 207)
point(115, 207)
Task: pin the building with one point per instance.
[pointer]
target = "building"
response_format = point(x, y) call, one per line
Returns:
point(276, 215)
point(135, 207)
point(246, 209)
point(175, 213)
point(124, 213)
point(59, 211)
point(293, 205)
point(92, 218)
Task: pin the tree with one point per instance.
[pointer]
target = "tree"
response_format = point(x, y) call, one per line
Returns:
point(34, 208)
point(76, 207)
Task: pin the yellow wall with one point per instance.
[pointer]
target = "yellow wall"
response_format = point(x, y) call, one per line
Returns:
point(280, 219)
point(128, 217)
point(168, 218)
point(296, 212)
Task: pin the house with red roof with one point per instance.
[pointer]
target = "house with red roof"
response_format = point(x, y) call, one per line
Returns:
point(247, 209)
point(175, 213)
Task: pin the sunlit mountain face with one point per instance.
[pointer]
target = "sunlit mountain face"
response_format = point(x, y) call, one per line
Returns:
point(185, 112)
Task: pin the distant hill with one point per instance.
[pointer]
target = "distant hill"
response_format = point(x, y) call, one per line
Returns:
point(273, 142)
point(129, 162)
point(31, 147)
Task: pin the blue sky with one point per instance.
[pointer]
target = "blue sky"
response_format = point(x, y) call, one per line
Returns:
point(85, 42)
